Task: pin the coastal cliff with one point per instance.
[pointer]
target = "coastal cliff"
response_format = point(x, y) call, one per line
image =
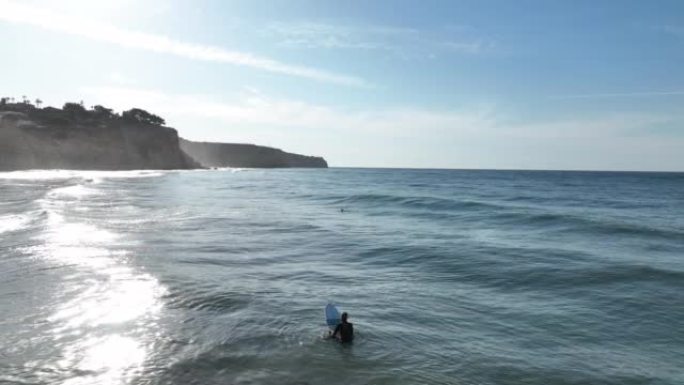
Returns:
point(76, 138)
point(246, 155)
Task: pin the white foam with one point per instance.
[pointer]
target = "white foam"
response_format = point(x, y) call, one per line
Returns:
point(76, 191)
point(214, 169)
point(13, 222)
point(108, 298)
point(69, 174)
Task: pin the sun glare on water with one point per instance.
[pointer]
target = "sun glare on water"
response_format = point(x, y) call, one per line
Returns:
point(100, 326)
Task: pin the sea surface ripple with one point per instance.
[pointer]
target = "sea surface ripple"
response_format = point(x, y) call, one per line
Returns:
point(449, 276)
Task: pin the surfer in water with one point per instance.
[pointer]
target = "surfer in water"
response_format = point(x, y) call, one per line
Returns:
point(345, 330)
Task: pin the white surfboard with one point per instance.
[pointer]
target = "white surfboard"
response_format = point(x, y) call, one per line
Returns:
point(332, 316)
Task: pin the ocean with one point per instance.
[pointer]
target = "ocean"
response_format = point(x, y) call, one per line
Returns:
point(449, 277)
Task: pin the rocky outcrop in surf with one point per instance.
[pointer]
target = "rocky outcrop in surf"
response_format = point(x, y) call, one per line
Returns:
point(95, 139)
point(246, 155)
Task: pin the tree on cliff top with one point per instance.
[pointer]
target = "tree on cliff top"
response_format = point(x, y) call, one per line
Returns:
point(142, 116)
point(103, 112)
point(74, 109)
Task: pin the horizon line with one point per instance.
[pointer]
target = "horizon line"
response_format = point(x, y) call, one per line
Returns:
point(507, 169)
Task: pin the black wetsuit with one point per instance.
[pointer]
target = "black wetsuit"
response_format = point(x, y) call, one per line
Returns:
point(346, 331)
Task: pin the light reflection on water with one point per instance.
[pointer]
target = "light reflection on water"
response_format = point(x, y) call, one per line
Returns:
point(101, 326)
point(104, 360)
point(33, 175)
point(448, 282)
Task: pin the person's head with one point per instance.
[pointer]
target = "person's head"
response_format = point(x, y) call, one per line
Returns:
point(344, 316)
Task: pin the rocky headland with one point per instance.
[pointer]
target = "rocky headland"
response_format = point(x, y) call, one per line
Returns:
point(246, 155)
point(74, 137)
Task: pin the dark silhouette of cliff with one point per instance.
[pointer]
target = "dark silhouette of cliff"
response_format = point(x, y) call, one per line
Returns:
point(76, 138)
point(246, 155)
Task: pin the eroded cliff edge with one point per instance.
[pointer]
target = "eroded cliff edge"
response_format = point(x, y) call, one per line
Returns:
point(99, 139)
point(211, 154)
point(75, 138)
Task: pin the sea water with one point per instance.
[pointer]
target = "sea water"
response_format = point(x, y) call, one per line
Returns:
point(449, 276)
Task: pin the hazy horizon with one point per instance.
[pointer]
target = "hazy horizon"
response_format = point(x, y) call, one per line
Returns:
point(439, 84)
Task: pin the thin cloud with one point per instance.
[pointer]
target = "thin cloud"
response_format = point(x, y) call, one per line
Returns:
point(25, 14)
point(603, 127)
point(397, 40)
point(620, 95)
point(473, 136)
point(673, 30)
point(257, 110)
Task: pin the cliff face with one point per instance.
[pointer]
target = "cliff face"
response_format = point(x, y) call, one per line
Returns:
point(50, 138)
point(99, 139)
point(246, 155)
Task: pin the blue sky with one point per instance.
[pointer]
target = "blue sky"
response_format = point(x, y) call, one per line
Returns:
point(458, 84)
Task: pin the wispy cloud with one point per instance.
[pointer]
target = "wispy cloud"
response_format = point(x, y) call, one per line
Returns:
point(397, 40)
point(607, 95)
point(43, 18)
point(609, 125)
point(256, 109)
point(470, 136)
point(672, 30)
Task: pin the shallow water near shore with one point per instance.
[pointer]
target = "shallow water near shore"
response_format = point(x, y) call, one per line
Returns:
point(449, 276)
